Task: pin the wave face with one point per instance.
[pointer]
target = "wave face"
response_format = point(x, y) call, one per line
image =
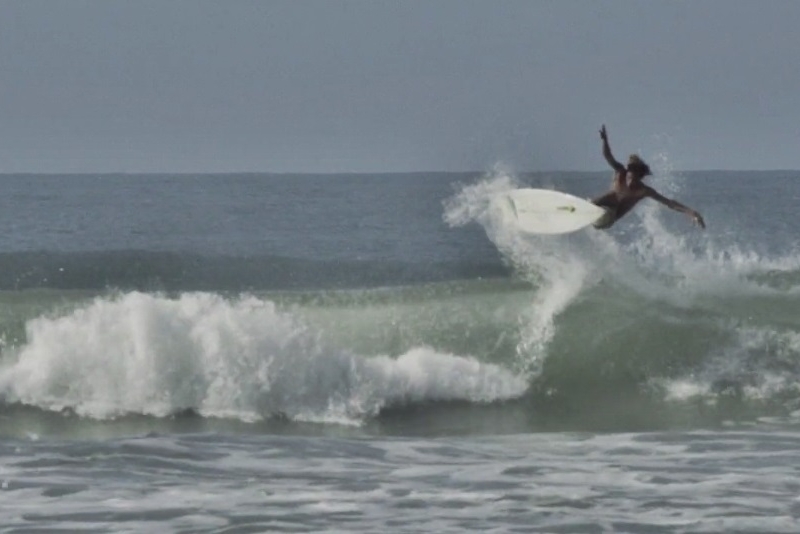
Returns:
point(655, 325)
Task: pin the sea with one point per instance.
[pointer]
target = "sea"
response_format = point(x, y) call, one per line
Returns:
point(357, 353)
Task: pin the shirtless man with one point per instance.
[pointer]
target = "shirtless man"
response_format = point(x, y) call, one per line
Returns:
point(627, 190)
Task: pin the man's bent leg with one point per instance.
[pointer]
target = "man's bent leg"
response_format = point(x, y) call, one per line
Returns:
point(606, 220)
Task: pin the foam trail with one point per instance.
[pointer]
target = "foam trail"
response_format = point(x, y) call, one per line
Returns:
point(244, 358)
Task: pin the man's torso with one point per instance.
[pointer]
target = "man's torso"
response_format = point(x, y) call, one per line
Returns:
point(624, 195)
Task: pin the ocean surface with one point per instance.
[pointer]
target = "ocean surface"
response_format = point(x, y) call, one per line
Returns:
point(382, 353)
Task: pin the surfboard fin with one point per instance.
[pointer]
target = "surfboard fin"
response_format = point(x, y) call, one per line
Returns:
point(513, 206)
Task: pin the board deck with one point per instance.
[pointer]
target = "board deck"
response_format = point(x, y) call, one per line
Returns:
point(545, 211)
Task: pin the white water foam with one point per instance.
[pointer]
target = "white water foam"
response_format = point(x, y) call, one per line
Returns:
point(242, 358)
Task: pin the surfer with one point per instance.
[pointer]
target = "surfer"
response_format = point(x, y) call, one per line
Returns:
point(627, 190)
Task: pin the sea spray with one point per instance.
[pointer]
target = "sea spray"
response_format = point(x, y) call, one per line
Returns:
point(550, 265)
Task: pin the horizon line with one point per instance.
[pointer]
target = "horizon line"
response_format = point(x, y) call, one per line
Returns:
point(355, 173)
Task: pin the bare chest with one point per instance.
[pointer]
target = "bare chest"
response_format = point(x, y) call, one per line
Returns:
point(625, 191)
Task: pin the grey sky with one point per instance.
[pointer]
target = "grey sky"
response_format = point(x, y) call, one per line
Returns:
point(187, 86)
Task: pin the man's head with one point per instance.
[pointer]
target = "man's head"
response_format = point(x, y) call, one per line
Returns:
point(638, 168)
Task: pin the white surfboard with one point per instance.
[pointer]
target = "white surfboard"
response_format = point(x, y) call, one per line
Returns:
point(544, 211)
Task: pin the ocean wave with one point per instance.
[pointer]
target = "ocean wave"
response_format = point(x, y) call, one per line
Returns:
point(353, 356)
point(592, 328)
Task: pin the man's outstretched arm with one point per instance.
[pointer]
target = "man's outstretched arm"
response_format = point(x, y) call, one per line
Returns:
point(616, 165)
point(677, 206)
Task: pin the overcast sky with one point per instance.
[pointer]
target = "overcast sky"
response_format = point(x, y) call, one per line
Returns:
point(336, 85)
